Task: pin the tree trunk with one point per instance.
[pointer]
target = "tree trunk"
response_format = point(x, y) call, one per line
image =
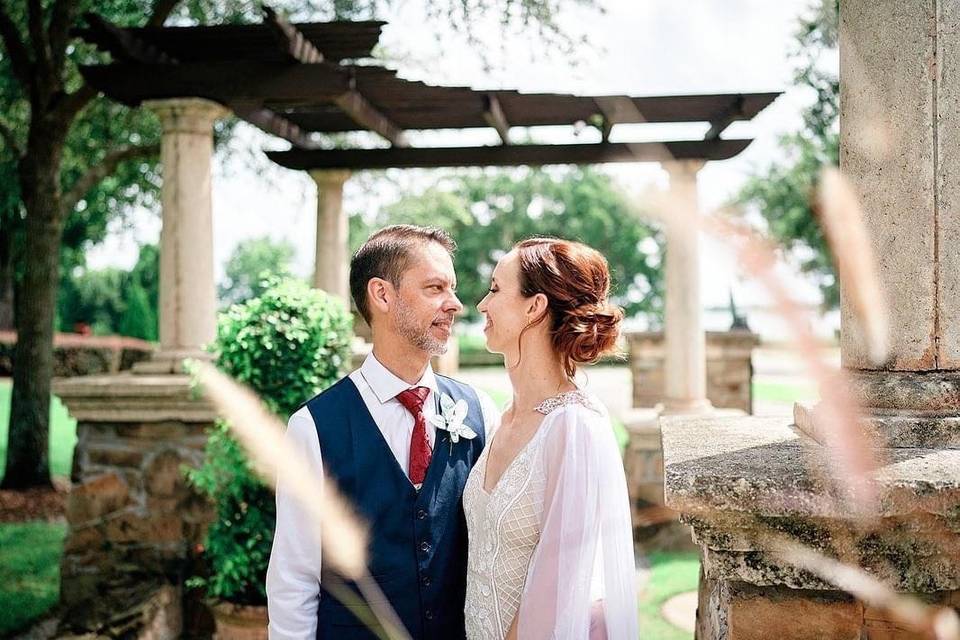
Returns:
point(27, 452)
point(6, 279)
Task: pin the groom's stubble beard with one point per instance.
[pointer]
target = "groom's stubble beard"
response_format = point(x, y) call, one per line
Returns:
point(408, 328)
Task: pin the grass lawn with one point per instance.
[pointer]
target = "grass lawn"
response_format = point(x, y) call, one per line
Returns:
point(63, 432)
point(671, 573)
point(783, 392)
point(29, 571)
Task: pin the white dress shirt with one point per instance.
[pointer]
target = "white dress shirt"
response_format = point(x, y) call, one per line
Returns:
point(293, 576)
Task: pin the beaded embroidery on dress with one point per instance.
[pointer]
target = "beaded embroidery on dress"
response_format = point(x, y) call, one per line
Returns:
point(504, 528)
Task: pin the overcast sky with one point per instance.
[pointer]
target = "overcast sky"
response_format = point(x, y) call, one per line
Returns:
point(639, 47)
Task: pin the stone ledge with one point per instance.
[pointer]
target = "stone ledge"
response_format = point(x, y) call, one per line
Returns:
point(134, 398)
point(737, 481)
point(765, 466)
point(891, 428)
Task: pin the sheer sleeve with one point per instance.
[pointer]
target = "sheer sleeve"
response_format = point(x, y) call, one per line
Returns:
point(581, 582)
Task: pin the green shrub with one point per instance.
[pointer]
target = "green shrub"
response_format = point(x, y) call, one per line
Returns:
point(287, 345)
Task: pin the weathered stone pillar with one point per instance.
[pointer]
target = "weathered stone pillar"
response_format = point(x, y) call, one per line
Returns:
point(686, 353)
point(900, 145)
point(188, 303)
point(331, 271)
point(133, 522)
point(737, 481)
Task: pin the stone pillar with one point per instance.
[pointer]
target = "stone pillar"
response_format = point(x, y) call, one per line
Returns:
point(686, 360)
point(738, 481)
point(188, 303)
point(729, 368)
point(901, 88)
point(133, 523)
point(331, 271)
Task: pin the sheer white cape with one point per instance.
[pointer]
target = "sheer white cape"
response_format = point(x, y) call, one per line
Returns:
point(581, 581)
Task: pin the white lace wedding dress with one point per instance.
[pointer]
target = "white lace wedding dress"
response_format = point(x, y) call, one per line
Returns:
point(553, 537)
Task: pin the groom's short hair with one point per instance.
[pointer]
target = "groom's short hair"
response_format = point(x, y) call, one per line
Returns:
point(386, 254)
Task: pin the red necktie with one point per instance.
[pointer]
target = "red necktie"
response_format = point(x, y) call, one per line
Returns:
point(420, 453)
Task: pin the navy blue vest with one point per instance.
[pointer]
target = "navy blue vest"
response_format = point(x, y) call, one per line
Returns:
point(418, 540)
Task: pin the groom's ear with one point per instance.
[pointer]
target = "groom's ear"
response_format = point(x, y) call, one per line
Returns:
point(379, 293)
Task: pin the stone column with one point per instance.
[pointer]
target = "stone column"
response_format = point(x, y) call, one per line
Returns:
point(686, 360)
point(739, 481)
point(332, 263)
point(900, 145)
point(133, 522)
point(188, 303)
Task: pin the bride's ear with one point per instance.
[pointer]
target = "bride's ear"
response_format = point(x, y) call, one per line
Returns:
point(537, 308)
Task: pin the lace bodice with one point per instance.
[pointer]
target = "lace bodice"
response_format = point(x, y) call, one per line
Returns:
point(504, 528)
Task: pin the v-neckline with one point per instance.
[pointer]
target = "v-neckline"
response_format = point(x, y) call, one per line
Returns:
point(506, 470)
point(522, 450)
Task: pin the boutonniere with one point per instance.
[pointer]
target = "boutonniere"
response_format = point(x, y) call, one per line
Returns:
point(450, 419)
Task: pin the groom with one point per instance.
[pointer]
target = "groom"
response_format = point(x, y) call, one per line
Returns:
point(372, 433)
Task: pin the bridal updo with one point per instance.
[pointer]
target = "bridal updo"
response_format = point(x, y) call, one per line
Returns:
point(576, 281)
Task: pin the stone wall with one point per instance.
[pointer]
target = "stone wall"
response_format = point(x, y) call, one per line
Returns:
point(729, 368)
point(134, 525)
point(741, 611)
point(81, 355)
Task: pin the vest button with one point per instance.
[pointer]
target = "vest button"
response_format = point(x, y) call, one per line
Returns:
point(428, 614)
point(421, 514)
point(425, 546)
point(426, 581)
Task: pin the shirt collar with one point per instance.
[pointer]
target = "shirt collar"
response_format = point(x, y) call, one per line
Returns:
point(386, 385)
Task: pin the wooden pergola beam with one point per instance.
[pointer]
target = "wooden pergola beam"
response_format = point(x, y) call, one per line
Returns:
point(732, 113)
point(493, 114)
point(273, 123)
point(512, 155)
point(294, 44)
point(123, 45)
point(354, 104)
point(225, 82)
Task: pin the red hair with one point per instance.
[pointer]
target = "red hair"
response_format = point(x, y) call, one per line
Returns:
point(575, 279)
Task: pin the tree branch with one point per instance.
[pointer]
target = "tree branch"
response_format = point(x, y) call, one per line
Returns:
point(10, 139)
point(62, 17)
point(161, 10)
point(103, 169)
point(74, 102)
point(17, 50)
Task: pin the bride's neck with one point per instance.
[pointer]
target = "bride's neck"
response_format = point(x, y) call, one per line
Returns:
point(538, 376)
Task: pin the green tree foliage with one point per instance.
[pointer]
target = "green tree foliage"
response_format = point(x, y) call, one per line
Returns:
point(287, 345)
point(139, 320)
point(782, 191)
point(93, 298)
point(486, 213)
point(251, 262)
point(113, 301)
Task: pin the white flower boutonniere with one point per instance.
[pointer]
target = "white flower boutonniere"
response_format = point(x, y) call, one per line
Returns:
point(450, 419)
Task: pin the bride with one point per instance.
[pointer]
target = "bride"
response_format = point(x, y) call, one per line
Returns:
point(550, 537)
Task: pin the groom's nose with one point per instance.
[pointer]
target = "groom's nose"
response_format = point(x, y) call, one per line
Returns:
point(453, 305)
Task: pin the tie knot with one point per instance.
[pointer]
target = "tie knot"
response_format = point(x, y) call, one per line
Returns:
point(413, 399)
